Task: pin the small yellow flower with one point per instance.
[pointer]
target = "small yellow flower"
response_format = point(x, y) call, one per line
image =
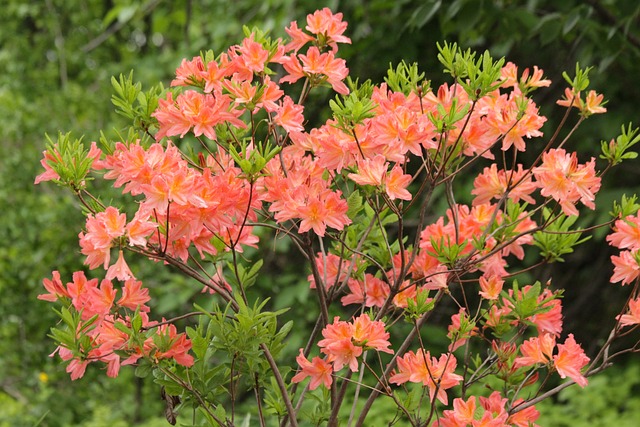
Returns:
point(43, 377)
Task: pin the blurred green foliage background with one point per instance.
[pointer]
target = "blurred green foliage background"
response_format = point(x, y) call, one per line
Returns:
point(56, 60)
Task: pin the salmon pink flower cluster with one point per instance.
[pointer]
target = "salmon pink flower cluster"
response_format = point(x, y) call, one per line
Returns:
point(396, 202)
point(626, 236)
point(104, 318)
point(437, 374)
point(568, 362)
point(491, 411)
point(344, 341)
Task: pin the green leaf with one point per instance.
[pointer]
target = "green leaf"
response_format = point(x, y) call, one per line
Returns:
point(571, 20)
point(557, 239)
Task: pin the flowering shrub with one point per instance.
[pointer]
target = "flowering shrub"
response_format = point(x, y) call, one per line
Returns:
point(226, 151)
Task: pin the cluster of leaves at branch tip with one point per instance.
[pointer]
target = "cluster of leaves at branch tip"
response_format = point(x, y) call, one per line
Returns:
point(558, 239)
point(351, 110)
point(448, 253)
point(615, 151)
point(407, 79)
point(526, 303)
point(626, 207)
point(477, 77)
point(131, 102)
point(252, 162)
point(72, 331)
point(241, 334)
point(72, 163)
point(418, 307)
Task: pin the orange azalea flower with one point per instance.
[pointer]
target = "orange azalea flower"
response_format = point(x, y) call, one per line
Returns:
point(626, 268)
point(102, 230)
point(328, 25)
point(120, 269)
point(626, 233)
point(139, 229)
point(436, 374)
point(189, 72)
point(493, 184)
point(253, 55)
point(80, 289)
point(509, 74)
point(524, 418)
point(535, 80)
point(338, 345)
point(593, 104)
point(370, 171)
point(298, 37)
point(505, 120)
point(100, 299)
point(344, 342)
point(550, 321)
point(632, 317)
point(289, 115)
point(318, 369)
point(396, 183)
point(570, 360)
point(467, 413)
point(134, 296)
point(565, 180)
point(491, 287)
point(370, 334)
point(173, 345)
point(571, 99)
point(55, 288)
point(536, 350)
point(372, 292)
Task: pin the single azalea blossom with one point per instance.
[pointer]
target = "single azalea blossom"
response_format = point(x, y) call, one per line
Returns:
point(536, 350)
point(490, 287)
point(289, 115)
point(462, 414)
point(100, 300)
point(174, 346)
point(525, 417)
point(570, 360)
point(322, 210)
point(396, 183)
point(632, 316)
point(535, 79)
point(371, 334)
point(626, 233)
point(120, 270)
point(626, 268)
point(134, 296)
point(55, 288)
point(319, 370)
point(298, 37)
